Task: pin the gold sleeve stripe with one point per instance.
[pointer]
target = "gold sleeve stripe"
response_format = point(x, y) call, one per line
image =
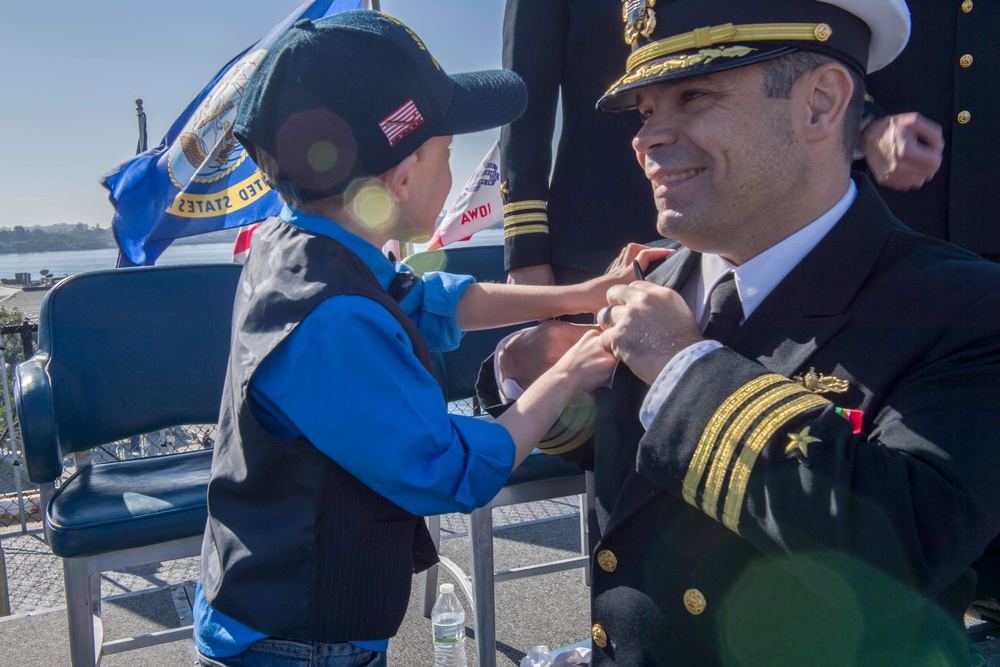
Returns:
point(526, 229)
point(750, 32)
point(525, 205)
point(752, 449)
point(522, 218)
point(731, 439)
point(574, 427)
point(725, 412)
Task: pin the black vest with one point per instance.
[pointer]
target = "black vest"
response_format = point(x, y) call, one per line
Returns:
point(296, 547)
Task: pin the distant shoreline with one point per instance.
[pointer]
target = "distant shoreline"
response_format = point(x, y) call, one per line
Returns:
point(69, 262)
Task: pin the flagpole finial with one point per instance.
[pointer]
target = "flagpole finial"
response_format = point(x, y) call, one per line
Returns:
point(141, 145)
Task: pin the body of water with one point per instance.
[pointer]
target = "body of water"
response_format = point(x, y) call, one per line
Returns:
point(69, 262)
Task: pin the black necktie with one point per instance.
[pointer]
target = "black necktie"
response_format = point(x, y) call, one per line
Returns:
point(725, 310)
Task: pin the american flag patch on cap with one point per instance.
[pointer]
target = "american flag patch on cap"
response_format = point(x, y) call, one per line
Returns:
point(401, 122)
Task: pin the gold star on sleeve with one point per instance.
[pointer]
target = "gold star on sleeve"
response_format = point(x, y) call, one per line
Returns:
point(800, 442)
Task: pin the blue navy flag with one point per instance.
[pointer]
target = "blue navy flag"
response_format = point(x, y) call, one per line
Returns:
point(200, 179)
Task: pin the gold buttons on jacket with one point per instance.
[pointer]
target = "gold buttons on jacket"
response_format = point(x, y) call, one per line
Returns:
point(966, 60)
point(964, 117)
point(967, 6)
point(598, 635)
point(607, 560)
point(694, 601)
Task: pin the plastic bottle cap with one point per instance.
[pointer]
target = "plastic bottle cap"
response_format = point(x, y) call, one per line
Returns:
point(447, 588)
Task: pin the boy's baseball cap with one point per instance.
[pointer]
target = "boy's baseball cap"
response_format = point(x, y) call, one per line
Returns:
point(677, 39)
point(348, 96)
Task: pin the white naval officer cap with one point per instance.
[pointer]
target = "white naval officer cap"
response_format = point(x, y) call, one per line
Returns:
point(683, 38)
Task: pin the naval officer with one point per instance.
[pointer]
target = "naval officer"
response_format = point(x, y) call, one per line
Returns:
point(795, 462)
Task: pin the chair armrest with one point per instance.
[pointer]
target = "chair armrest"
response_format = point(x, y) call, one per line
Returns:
point(33, 402)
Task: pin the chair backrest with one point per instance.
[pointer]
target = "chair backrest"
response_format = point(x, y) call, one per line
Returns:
point(123, 352)
point(457, 369)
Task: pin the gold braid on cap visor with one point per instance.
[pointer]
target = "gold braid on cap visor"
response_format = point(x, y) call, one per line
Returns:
point(728, 33)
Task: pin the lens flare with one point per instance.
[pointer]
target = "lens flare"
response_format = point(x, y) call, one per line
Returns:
point(373, 206)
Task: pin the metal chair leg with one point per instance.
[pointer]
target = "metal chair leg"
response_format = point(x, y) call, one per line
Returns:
point(585, 535)
point(481, 538)
point(84, 626)
point(429, 577)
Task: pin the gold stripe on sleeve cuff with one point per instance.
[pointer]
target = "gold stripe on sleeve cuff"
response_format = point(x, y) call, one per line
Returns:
point(710, 436)
point(760, 436)
point(733, 436)
point(522, 218)
point(526, 205)
point(510, 232)
point(574, 427)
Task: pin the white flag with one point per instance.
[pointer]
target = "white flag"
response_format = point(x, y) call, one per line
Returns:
point(478, 206)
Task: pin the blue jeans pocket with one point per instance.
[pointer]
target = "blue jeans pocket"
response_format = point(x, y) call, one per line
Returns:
point(286, 653)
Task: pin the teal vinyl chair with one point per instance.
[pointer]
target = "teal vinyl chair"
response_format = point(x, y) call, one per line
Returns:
point(539, 477)
point(121, 353)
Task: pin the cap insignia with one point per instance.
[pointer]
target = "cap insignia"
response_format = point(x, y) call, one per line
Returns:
point(818, 383)
point(640, 19)
point(703, 57)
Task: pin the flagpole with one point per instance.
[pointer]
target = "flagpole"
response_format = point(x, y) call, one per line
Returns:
point(141, 146)
point(373, 4)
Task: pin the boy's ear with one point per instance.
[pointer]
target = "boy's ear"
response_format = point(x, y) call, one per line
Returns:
point(397, 179)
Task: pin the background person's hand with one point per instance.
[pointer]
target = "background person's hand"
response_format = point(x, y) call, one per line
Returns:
point(903, 151)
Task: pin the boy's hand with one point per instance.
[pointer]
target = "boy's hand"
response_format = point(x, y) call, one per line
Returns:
point(587, 363)
point(620, 273)
point(644, 255)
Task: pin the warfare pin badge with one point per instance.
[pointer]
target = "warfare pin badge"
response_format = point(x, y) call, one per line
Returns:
point(818, 383)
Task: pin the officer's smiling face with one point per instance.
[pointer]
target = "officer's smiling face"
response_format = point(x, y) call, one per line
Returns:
point(722, 158)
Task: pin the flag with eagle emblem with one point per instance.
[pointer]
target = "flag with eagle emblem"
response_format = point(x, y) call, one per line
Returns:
point(200, 179)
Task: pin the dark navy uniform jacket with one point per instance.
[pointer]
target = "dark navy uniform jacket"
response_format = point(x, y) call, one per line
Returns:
point(598, 198)
point(950, 72)
point(753, 524)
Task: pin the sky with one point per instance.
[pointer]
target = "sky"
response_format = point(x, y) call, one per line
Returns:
point(74, 70)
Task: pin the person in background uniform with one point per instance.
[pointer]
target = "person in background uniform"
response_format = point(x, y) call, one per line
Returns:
point(568, 230)
point(794, 464)
point(942, 93)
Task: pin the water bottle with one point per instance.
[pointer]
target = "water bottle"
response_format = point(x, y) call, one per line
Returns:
point(448, 621)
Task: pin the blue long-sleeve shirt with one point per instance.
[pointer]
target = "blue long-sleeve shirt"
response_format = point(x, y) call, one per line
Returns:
point(346, 379)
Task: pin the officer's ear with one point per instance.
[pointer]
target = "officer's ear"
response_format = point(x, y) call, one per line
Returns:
point(824, 95)
point(397, 179)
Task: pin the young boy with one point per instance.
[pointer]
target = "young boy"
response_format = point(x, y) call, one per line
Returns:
point(334, 438)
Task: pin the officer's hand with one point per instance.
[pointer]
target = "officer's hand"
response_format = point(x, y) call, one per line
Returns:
point(645, 326)
point(903, 151)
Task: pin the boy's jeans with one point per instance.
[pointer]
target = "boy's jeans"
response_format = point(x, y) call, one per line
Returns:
point(287, 653)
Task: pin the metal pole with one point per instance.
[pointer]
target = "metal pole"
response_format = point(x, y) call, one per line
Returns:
point(14, 448)
point(374, 5)
point(141, 146)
